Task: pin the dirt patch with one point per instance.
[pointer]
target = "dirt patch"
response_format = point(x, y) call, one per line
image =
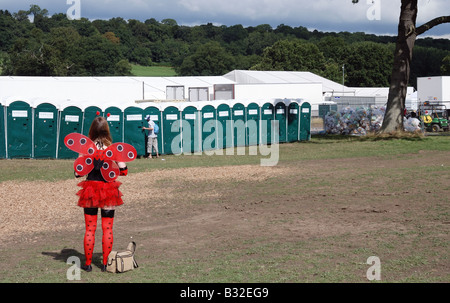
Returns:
point(34, 207)
point(202, 210)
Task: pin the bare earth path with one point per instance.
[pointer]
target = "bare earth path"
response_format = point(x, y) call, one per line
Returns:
point(336, 209)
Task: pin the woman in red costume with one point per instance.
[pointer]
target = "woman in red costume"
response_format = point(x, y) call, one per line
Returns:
point(100, 189)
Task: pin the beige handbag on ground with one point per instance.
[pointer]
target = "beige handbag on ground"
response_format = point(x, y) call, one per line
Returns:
point(119, 262)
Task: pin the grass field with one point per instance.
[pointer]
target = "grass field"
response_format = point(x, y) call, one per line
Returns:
point(152, 71)
point(317, 216)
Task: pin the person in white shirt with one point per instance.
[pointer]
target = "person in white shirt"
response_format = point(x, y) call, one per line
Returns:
point(152, 138)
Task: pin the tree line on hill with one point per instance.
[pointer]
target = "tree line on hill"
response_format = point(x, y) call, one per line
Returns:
point(56, 46)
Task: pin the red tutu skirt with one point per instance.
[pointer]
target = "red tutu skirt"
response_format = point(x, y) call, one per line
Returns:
point(99, 194)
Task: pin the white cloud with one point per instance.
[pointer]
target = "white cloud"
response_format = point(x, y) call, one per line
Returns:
point(327, 15)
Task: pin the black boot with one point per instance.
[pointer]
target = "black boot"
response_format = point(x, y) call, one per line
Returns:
point(103, 268)
point(87, 268)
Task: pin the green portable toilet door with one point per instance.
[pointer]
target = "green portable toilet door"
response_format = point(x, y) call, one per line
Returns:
point(281, 117)
point(134, 121)
point(253, 114)
point(305, 121)
point(191, 141)
point(45, 131)
point(209, 128)
point(2, 133)
point(293, 122)
point(172, 139)
point(19, 132)
point(224, 127)
point(89, 115)
point(70, 122)
point(114, 116)
point(239, 127)
point(267, 116)
point(155, 115)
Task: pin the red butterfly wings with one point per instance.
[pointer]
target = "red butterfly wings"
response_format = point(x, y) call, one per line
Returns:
point(121, 152)
point(80, 144)
point(110, 170)
point(83, 165)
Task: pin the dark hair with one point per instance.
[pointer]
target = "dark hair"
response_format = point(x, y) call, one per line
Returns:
point(99, 131)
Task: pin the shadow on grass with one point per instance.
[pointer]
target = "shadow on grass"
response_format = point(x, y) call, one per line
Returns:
point(66, 253)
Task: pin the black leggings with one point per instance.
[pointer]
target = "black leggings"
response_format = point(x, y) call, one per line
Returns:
point(106, 213)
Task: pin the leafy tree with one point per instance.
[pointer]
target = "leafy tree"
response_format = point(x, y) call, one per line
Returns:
point(427, 62)
point(407, 34)
point(334, 48)
point(37, 11)
point(85, 27)
point(209, 59)
point(368, 64)
point(259, 40)
point(98, 56)
point(170, 22)
point(294, 55)
point(111, 37)
point(58, 46)
point(139, 30)
point(141, 55)
point(445, 68)
point(122, 68)
point(5, 64)
point(33, 56)
point(65, 43)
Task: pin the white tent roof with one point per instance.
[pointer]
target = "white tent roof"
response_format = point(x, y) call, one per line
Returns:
point(155, 87)
point(68, 91)
point(375, 91)
point(247, 77)
point(99, 91)
point(123, 92)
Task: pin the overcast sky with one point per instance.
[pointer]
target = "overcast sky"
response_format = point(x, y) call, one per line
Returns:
point(370, 16)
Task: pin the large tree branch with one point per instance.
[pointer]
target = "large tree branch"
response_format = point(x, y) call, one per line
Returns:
point(430, 24)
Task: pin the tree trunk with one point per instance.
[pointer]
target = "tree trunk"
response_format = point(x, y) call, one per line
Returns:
point(393, 119)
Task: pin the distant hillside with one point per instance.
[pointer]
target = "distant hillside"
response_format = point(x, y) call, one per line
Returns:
point(152, 71)
point(57, 46)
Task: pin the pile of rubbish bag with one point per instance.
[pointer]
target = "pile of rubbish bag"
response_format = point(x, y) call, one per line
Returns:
point(351, 121)
point(360, 121)
point(411, 124)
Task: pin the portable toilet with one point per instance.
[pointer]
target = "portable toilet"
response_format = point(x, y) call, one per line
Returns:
point(155, 115)
point(280, 116)
point(70, 121)
point(45, 130)
point(267, 116)
point(293, 122)
point(325, 108)
point(114, 116)
point(191, 140)
point(305, 121)
point(89, 115)
point(172, 140)
point(2, 132)
point(253, 117)
point(239, 127)
point(19, 130)
point(209, 128)
point(134, 121)
point(225, 139)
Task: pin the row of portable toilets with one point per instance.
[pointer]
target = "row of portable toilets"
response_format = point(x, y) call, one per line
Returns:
point(38, 132)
